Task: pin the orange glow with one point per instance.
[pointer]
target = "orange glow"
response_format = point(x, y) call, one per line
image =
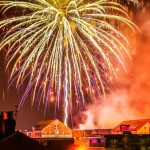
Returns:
point(5, 116)
point(80, 148)
point(132, 100)
point(74, 147)
point(51, 100)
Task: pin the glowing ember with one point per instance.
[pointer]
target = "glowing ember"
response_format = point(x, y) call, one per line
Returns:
point(65, 47)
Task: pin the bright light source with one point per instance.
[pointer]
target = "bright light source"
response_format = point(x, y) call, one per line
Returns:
point(80, 148)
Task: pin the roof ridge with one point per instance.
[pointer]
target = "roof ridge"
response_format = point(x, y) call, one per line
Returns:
point(137, 124)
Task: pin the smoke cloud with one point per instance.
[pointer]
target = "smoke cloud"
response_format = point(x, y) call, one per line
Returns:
point(132, 100)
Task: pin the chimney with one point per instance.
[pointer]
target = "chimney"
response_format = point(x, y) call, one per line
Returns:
point(7, 124)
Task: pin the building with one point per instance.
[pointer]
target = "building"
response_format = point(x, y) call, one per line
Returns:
point(19, 141)
point(127, 141)
point(77, 134)
point(133, 126)
point(101, 132)
point(90, 138)
point(50, 129)
point(7, 124)
point(57, 143)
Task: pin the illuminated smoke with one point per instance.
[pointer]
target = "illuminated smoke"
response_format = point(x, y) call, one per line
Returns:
point(132, 101)
point(64, 47)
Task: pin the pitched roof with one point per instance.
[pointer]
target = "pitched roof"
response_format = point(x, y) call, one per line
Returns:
point(105, 131)
point(101, 131)
point(134, 125)
point(42, 124)
point(87, 132)
point(77, 133)
point(19, 141)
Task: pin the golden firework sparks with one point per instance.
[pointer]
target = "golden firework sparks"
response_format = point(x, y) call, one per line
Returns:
point(64, 46)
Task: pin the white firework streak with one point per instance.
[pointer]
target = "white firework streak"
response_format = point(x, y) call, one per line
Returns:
point(60, 46)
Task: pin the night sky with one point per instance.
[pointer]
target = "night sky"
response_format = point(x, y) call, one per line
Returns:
point(9, 98)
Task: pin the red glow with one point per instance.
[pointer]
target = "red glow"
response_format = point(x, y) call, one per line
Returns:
point(73, 147)
point(5, 116)
point(130, 101)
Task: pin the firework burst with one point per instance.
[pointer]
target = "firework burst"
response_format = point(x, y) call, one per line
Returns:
point(64, 47)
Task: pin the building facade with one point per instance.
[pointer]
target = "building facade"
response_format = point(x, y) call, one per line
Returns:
point(133, 126)
point(91, 137)
point(50, 129)
point(127, 141)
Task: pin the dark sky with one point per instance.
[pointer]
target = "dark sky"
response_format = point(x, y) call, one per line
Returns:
point(9, 98)
point(27, 115)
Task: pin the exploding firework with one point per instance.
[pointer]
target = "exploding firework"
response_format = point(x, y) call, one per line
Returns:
point(64, 48)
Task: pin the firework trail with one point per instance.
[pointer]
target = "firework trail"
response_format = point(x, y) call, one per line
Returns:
point(64, 47)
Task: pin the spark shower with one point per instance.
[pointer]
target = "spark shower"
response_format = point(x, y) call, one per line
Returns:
point(64, 48)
